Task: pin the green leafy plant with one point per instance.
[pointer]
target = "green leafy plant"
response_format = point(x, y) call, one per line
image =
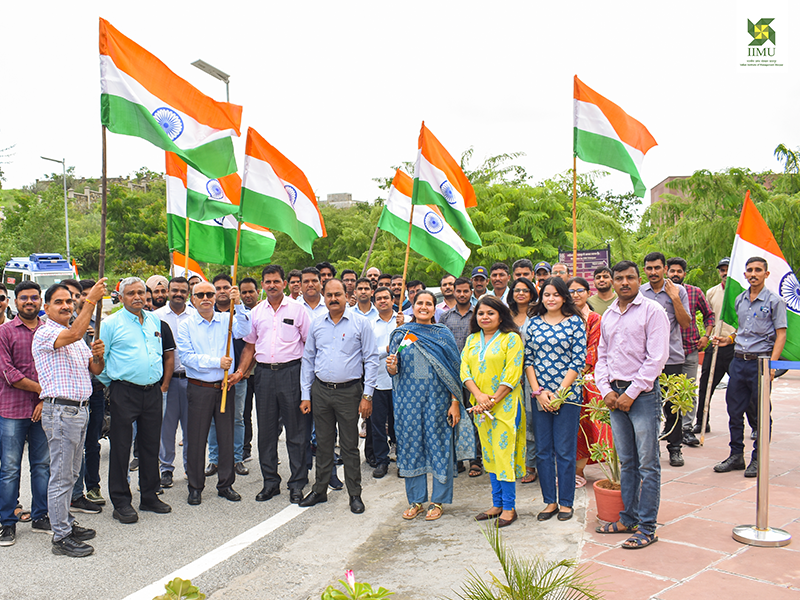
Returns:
point(354, 590)
point(528, 578)
point(181, 589)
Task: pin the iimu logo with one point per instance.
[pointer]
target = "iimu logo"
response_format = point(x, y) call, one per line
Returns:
point(761, 32)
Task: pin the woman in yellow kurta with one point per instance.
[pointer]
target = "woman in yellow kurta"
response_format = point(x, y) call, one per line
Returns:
point(491, 369)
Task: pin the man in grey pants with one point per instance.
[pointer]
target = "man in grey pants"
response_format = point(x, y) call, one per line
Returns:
point(63, 362)
point(340, 348)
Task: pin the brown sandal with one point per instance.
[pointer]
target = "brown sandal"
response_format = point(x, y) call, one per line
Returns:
point(530, 476)
point(435, 511)
point(413, 511)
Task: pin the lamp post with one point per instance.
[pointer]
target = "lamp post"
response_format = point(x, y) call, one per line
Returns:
point(63, 162)
point(216, 73)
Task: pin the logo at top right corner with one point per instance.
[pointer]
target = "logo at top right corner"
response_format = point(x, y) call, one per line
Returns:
point(761, 32)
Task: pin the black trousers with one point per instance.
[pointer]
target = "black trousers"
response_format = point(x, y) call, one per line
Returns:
point(382, 422)
point(248, 416)
point(204, 405)
point(332, 408)
point(131, 403)
point(277, 395)
point(724, 358)
point(675, 437)
point(742, 399)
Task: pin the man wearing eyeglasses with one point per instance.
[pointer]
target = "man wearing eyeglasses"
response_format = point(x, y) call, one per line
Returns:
point(561, 270)
point(21, 415)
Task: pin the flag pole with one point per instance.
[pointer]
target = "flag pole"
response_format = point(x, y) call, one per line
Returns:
point(230, 322)
point(574, 215)
point(101, 262)
point(405, 264)
point(369, 252)
point(709, 386)
point(186, 246)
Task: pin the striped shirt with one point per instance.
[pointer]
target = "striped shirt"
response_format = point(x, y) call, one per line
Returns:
point(63, 372)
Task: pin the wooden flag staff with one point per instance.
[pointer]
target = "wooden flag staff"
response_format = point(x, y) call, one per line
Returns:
point(405, 264)
point(101, 262)
point(230, 322)
point(369, 252)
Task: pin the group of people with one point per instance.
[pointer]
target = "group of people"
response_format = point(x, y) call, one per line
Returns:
point(480, 377)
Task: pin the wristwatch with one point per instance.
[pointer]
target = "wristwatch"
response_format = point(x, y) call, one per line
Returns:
point(366, 397)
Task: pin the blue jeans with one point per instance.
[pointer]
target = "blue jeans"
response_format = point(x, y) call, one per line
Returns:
point(556, 440)
point(504, 493)
point(636, 440)
point(65, 427)
point(239, 393)
point(90, 465)
point(382, 415)
point(441, 493)
point(13, 433)
point(176, 410)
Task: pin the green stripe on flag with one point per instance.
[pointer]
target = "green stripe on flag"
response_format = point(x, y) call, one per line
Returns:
point(202, 208)
point(215, 159)
point(215, 244)
point(602, 150)
point(732, 290)
point(424, 193)
point(277, 215)
point(422, 243)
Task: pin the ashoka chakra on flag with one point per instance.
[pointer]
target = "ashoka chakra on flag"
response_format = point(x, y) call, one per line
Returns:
point(433, 223)
point(215, 190)
point(447, 192)
point(790, 292)
point(170, 122)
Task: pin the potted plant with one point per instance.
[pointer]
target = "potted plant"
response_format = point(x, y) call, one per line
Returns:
point(677, 389)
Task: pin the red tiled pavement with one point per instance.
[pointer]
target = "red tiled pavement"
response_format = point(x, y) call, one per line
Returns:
point(696, 556)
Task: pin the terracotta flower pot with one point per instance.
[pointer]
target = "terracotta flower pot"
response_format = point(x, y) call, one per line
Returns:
point(609, 501)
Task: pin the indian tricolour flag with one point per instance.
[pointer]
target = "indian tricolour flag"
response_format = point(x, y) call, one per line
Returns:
point(179, 267)
point(141, 97)
point(605, 134)
point(211, 239)
point(276, 194)
point(439, 180)
point(754, 238)
point(431, 236)
point(408, 339)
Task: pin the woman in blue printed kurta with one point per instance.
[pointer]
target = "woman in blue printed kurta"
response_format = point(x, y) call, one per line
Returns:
point(491, 369)
point(555, 352)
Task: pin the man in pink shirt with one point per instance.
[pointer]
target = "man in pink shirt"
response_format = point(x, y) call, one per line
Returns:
point(276, 341)
point(634, 347)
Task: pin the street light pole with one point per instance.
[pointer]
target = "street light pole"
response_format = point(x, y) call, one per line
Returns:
point(63, 162)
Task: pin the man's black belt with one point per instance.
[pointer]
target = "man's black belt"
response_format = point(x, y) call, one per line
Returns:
point(621, 384)
point(181, 375)
point(338, 386)
point(279, 366)
point(747, 355)
point(145, 388)
point(217, 385)
point(67, 402)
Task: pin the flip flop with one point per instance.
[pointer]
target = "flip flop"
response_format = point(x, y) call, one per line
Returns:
point(615, 527)
point(579, 482)
point(530, 476)
point(639, 540)
point(475, 471)
point(24, 515)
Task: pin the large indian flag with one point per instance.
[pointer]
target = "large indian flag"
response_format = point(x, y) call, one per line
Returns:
point(141, 97)
point(211, 239)
point(605, 134)
point(439, 180)
point(754, 238)
point(431, 236)
point(276, 194)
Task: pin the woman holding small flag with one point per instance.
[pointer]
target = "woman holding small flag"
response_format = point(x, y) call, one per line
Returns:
point(491, 369)
point(430, 422)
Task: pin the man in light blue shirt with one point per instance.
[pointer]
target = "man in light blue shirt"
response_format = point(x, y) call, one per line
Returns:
point(340, 348)
point(206, 355)
point(363, 295)
point(133, 350)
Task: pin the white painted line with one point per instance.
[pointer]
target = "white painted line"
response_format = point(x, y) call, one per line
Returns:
point(224, 552)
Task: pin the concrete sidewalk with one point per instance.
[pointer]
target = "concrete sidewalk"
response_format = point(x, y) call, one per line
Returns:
point(696, 556)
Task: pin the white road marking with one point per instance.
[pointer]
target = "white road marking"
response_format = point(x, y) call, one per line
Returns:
point(216, 556)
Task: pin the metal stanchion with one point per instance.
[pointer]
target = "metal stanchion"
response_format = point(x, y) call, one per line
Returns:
point(761, 534)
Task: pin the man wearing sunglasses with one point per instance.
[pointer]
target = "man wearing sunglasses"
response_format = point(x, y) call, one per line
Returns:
point(21, 416)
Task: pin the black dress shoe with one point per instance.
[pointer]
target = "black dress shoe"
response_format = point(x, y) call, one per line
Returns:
point(356, 505)
point(126, 514)
point(732, 463)
point(295, 496)
point(676, 458)
point(241, 469)
point(211, 469)
point(546, 515)
point(752, 468)
point(689, 439)
point(195, 498)
point(156, 506)
point(267, 493)
point(380, 471)
point(229, 494)
point(313, 498)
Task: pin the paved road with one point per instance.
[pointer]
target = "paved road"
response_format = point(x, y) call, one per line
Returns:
point(296, 560)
